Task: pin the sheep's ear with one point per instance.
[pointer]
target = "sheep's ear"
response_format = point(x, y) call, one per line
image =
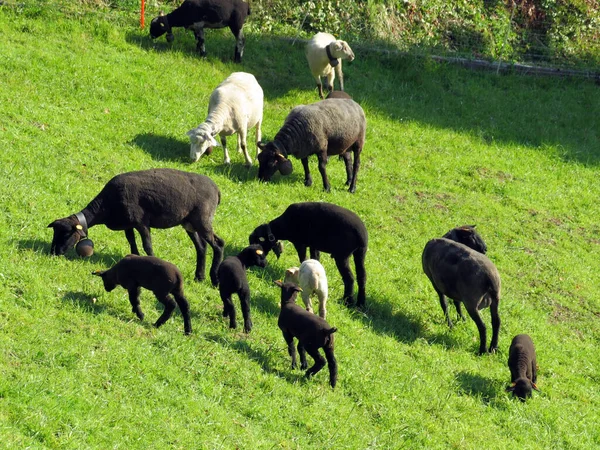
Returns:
point(99, 273)
point(259, 252)
point(192, 133)
point(261, 145)
point(510, 389)
point(161, 14)
point(535, 387)
point(213, 142)
point(279, 283)
point(53, 224)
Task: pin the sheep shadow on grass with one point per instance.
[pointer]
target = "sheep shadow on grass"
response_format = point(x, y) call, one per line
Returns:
point(477, 386)
point(85, 302)
point(163, 148)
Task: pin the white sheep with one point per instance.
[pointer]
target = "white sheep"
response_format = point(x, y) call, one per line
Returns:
point(324, 53)
point(312, 280)
point(235, 106)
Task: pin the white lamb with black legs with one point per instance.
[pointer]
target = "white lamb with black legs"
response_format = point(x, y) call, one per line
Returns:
point(235, 106)
point(324, 54)
point(311, 278)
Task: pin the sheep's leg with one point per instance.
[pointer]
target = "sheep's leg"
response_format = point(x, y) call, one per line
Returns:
point(458, 306)
point(315, 254)
point(168, 311)
point(495, 325)
point(200, 255)
point(332, 363)
point(355, 168)
point(323, 171)
point(319, 361)
point(302, 352)
point(361, 275)
point(301, 250)
point(330, 79)
point(240, 41)
point(146, 239)
point(347, 157)
point(307, 301)
point(343, 265)
point(242, 135)
point(226, 159)
point(228, 308)
point(322, 303)
point(307, 177)
point(289, 339)
point(184, 307)
point(340, 74)
point(199, 34)
point(217, 244)
point(258, 136)
point(244, 295)
point(134, 299)
point(130, 235)
point(320, 87)
point(474, 313)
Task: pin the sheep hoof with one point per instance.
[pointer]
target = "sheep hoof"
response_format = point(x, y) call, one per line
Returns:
point(247, 327)
point(349, 301)
point(304, 366)
point(493, 349)
point(188, 332)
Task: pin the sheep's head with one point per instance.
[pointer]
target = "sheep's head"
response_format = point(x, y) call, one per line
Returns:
point(109, 283)
point(67, 232)
point(467, 235)
point(289, 291)
point(262, 236)
point(271, 160)
point(254, 255)
point(522, 388)
point(202, 140)
point(159, 26)
point(341, 50)
point(292, 275)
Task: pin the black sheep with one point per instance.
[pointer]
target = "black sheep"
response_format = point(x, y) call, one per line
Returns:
point(312, 332)
point(466, 276)
point(233, 280)
point(324, 227)
point(468, 236)
point(157, 275)
point(523, 366)
point(199, 14)
point(155, 198)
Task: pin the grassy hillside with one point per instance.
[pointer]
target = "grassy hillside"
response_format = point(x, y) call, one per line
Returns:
point(87, 95)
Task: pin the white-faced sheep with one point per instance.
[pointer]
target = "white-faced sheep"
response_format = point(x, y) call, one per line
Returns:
point(523, 366)
point(233, 280)
point(325, 54)
point(466, 276)
point(155, 198)
point(322, 227)
point(329, 127)
point(200, 14)
point(312, 333)
point(311, 278)
point(235, 106)
point(161, 277)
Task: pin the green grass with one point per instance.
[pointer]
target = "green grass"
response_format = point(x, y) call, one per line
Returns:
point(85, 97)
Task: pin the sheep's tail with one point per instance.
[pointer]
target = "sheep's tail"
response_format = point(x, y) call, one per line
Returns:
point(329, 337)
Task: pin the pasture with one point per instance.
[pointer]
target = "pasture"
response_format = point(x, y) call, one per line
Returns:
point(86, 95)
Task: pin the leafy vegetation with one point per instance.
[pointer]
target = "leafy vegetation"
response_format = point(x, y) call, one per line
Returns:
point(86, 95)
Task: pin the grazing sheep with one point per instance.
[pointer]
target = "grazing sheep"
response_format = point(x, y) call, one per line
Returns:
point(324, 53)
point(312, 333)
point(235, 106)
point(523, 367)
point(199, 14)
point(157, 275)
point(324, 227)
point(466, 276)
point(329, 127)
point(233, 280)
point(312, 279)
point(155, 198)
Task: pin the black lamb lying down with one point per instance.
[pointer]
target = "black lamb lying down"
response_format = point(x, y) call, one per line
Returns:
point(466, 276)
point(523, 367)
point(233, 280)
point(199, 14)
point(324, 227)
point(155, 198)
point(161, 277)
point(312, 333)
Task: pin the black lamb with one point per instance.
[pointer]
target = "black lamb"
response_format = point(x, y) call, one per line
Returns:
point(333, 126)
point(466, 276)
point(199, 14)
point(161, 277)
point(324, 227)
point(312, 332)
point(523, 366)
point(155, 198)
point(233, 280)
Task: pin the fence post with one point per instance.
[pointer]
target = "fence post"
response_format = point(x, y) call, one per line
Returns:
point(142, 14)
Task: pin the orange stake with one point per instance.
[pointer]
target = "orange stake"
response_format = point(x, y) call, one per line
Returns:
point(142, 13)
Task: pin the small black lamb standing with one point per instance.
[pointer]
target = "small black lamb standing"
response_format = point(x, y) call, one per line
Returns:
point(161, 277)
point(233, 280)
point(312, 333)
point(322, 227)
point(523, 367)
point(467, 276)
point(155, 198)
point(199, 14)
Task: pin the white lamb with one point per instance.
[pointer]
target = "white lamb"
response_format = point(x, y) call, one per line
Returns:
point(312, 280)
point(235, 106)
point(324, 53)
